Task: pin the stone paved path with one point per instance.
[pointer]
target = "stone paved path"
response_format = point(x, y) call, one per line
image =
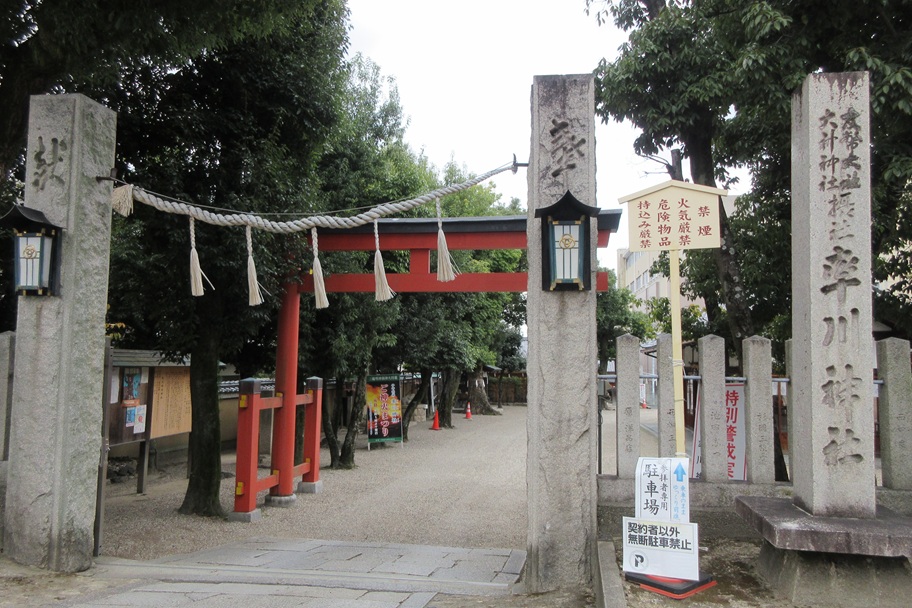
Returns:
point(307, 574)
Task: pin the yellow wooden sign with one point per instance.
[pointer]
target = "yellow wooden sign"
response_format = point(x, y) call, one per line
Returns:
point(674, 215)
point(669, 217)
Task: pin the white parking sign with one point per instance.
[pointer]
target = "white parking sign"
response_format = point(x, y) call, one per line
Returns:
point(661, 549)
point(663, 490)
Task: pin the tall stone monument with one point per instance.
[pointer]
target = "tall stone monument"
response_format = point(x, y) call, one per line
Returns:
point(562, 362)
point(832, 345)
point(830, 545)
point(55, 434)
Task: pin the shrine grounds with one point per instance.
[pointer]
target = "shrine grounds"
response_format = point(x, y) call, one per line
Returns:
point(463, 487)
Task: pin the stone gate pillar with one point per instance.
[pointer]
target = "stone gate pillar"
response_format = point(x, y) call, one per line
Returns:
point(562, 362)
point(55, 433)
point(832, 345)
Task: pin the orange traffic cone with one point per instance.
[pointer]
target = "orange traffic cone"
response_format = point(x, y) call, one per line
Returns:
point(436, 426)
point(468, 410)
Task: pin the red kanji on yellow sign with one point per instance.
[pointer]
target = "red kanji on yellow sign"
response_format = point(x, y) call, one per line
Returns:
point(674, 215)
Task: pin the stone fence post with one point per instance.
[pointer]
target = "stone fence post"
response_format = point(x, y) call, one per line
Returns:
point(895, 413)
point(758, 394)
point(714, 461)
point(666, 415)
point(628, 405)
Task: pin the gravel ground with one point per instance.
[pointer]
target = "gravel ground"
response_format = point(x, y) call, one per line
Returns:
point(460, 487)
point(440, 488)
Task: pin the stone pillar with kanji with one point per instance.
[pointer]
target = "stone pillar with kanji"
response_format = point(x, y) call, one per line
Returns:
point(562, 362)
point(832, 344)
point(55, 431)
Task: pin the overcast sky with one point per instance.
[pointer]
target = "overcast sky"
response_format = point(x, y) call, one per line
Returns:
point(464, 72)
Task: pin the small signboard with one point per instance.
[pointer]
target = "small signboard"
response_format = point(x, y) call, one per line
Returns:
point(663, 490)
point(735, 434)
point(384, 409)
point(674, 215)
point(661, 548)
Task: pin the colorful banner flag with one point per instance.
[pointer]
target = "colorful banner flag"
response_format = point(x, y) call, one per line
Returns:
point(384, 409)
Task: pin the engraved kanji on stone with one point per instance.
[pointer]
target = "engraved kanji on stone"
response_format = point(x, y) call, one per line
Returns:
point(850, 181)
point(841, 213)
point(842, 448)
point(827, 124)
point(838, 328)
point(841, 392)
point(840, 270)
point(566, 147)
point(851, 138)
point(47, 161)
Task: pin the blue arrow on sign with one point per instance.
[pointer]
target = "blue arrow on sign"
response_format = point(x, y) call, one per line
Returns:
point(680, 473)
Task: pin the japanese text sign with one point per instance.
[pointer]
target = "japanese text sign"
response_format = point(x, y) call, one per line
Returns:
point(663, 489)
point(661, 548)
point(674, 215)
point(384, 409)
point(735, 433)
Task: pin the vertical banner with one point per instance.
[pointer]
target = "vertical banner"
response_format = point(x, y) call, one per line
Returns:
point(384, 409)
point(735, 434)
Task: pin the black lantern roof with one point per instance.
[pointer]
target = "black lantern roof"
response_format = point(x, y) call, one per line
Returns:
point(567, 208)
point(24, 219)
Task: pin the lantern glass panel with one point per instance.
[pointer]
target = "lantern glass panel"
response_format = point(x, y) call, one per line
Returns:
point(566, 264)
point(33, 261)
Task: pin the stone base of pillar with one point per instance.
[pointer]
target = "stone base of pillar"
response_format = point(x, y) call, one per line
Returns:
point(281, 501)
point(255, 515)
point(808, 578)
point(784, 525)
point(309, 487)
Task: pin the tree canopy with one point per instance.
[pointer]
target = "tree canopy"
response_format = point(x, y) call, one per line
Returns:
point(716, 77)
point(237, 128)
point(616, 314)
point(60, 45)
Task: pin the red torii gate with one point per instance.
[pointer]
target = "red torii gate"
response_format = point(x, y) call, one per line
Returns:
point(418, 236)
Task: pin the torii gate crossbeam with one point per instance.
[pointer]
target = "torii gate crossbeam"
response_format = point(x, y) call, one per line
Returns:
point(418, 236)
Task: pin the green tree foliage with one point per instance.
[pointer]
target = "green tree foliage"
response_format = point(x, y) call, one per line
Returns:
point(616, 314)
point(716, 77)
point(58, 45)
point(238, 128)
point(365, 163)
point(65, 46)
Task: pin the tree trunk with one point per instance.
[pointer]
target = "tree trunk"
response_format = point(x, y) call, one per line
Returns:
point(478, 395)
point(202, 497)
point(330, 429)
point(699, 145)
point(603, 349)
point(416, 399)
point(355, 419)
point(448, 398)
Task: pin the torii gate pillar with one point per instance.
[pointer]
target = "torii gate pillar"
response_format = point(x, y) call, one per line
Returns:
point(562, 361)
point(55, 429)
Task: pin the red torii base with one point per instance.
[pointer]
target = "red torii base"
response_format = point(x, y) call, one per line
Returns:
point(284, 472)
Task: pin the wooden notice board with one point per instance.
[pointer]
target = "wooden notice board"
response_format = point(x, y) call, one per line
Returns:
point(171, 402)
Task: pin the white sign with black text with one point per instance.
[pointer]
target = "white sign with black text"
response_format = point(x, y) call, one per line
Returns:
point(663, 489)
point(661, 548)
